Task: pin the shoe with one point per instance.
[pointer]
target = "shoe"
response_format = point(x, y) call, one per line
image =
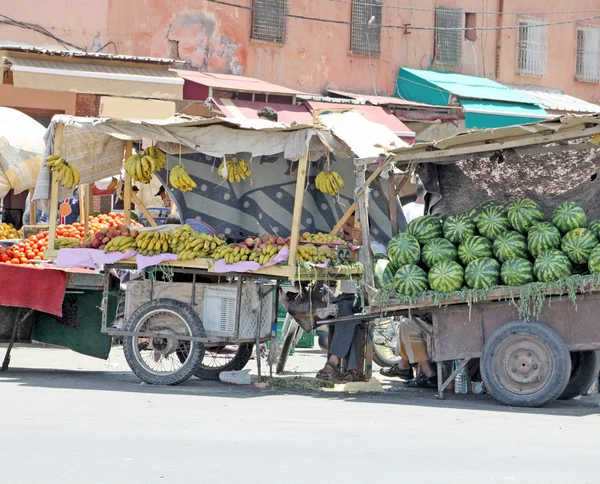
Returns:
point(395, 372)
point(422, 381)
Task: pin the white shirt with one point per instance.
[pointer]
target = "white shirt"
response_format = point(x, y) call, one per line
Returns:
point(413, 210)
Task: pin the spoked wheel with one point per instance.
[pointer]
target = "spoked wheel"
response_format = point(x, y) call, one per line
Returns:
point(164, 359)
point(223, 358)
point(385, 342)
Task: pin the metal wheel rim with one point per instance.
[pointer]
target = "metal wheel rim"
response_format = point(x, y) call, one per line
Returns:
point(166, 348)
point(523, 365)
point(387, 349)
point(219, 356)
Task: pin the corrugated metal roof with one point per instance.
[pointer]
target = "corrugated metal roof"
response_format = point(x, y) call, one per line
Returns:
point(229, 82)
point(557, 101)
point(387, 100)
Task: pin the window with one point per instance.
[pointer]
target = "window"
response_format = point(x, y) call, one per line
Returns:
point(365, 34)
point(269, 20)
point(532, 47)
point(470, 24)
point(587, 68)
point(448, 43)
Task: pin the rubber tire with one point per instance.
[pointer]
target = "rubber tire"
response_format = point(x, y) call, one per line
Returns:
point(238, 362)
point(197, 350)
point(382, 360)
point(549, 338)
point(585, 366)
point(286, 347)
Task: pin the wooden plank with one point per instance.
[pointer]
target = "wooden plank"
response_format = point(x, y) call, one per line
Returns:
point(343, 220)
point(127, 186)
point(401, 183)
point(386, 205)
point(362, 203)
point(85, 207)
point(143, 208)
point(32, 208)
point(53, 216)
point(392, 194)
point(297, 215)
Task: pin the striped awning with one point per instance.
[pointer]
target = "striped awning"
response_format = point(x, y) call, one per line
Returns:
point(96, 78)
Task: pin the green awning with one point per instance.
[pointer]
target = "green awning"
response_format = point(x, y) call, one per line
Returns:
point(494, 114)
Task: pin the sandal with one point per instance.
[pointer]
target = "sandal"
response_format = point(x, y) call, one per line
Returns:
point(333, 375)
point(394, 371)
point(350, 376)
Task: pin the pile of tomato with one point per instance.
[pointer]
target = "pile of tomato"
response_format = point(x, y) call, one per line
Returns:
point(33, 247)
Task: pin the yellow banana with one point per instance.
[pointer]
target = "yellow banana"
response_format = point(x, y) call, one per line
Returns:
point(76, 174)
point(339, 180)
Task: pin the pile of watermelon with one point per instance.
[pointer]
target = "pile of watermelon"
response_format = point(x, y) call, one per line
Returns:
point(489, 246)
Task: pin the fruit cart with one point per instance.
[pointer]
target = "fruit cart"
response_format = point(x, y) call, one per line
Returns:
point(530, 343)
point(199, 304)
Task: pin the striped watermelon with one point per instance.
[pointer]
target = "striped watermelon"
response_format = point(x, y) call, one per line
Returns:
point(523, 213)
point(492, 222)
point(542, 236)
point(509, 245)
point(594, 262)
point(517, 271)
point(478, 209)
point(426, 228)
point(552, 265)
point(578, 245)
point(383, 272)
point(482, 273)
point(378, 256)
point(458, 227)
point(446, 276)
point(594, 226)
point(474, 248)
point(568, 216)
point(437, 250)
point(410, 280)
point(404, 249)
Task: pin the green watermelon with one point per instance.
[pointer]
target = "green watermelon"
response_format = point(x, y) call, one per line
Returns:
point(492, 222)
point(474, 248)
point(594, 226)
point(426, 228)
point(509, 245)
point(482, 273)
point(404, 249)
point(446, 276)
point(382, 275)
point(594, 262)
point(542, 236)
point(478, 209)
point(523, 213)
point(517, 271)
point(578, 245)
point(568, 216)
point(458, 227)
point(552, 265)
point(410, 280)
point(437, 250)
point(389, 273)
point(378, 256)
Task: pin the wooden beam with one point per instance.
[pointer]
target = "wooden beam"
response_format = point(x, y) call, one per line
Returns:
point(84, 206)
point(127, 186)
point(401, 183)
point(143, 208)
point(297, 215)
point(382, 195)
point(32, 208)
point(362, 204)
point(393, 196)
point(54, 189)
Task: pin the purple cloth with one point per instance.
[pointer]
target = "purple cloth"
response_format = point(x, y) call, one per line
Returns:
point(144, 261)
point(248, 266)
point(68, 258)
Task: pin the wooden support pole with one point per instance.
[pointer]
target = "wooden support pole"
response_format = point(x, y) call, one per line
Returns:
point(143, 208)
point(297, 215)
point(362, 204)
point(32, 208)
point(84, 206)
point(383, 199)
point(393, 204)
point(127, 186)
point(54, 190)
point(400, 185)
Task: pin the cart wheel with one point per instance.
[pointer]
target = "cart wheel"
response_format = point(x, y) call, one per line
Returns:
point(290, 338)
point(164, 360)
point(525, 364)
point(584, 372)
point(223, 358)
point(385, 341)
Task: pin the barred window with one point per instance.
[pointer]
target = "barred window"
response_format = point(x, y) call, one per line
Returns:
point(587, 68)
point(448, 43)
point(365, 34)
point(269, 20)
point(532, 47)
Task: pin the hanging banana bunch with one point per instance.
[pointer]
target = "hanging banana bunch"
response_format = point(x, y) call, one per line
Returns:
point(329, 182)
point(237, 170)
point(181, 180)
point(142, 165)
point(66, 174)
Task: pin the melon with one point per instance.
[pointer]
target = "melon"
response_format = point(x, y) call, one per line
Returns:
point(509, 245)
point(594, 262)
point(569, 216)
point(552, 265)
point(438, 250)
point(543, 236)
point(578, 245)
point(524, 213)
point(492, 222)
point(459, 227)
point(482, 273)
point(474, 248)
point(517, 271)
point(426, 228)
point(446, 276)
point(404, 249)
point(382, 275)
point(410, 280)
point(478, 209)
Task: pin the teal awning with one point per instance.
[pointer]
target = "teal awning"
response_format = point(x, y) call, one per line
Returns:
point(493, 114)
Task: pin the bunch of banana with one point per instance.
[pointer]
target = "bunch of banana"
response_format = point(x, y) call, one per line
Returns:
point(142, 165)
point(159, 156)
point(113, 183)
point(66, 173)
point(181, 180)
point(310, 253)
point(321, 238)
point(329, 182)
point(189, 244)
point(67, 243)
point(152, 243)
point(265, 254)
point(237, 170)
point(120, 243)
point(232, 254)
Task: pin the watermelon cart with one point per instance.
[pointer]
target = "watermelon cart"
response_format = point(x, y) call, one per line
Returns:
point(196, 298)
point(503, 276)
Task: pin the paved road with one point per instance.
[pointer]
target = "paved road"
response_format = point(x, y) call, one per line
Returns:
point(98, 424)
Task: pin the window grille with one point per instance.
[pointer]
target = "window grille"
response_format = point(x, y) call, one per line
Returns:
point(269, 20)
point(448, 43)
point(587, 68)
point(365, 34)
point(532, 48)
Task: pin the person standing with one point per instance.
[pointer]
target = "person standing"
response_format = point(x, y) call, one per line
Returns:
point(415, 209)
